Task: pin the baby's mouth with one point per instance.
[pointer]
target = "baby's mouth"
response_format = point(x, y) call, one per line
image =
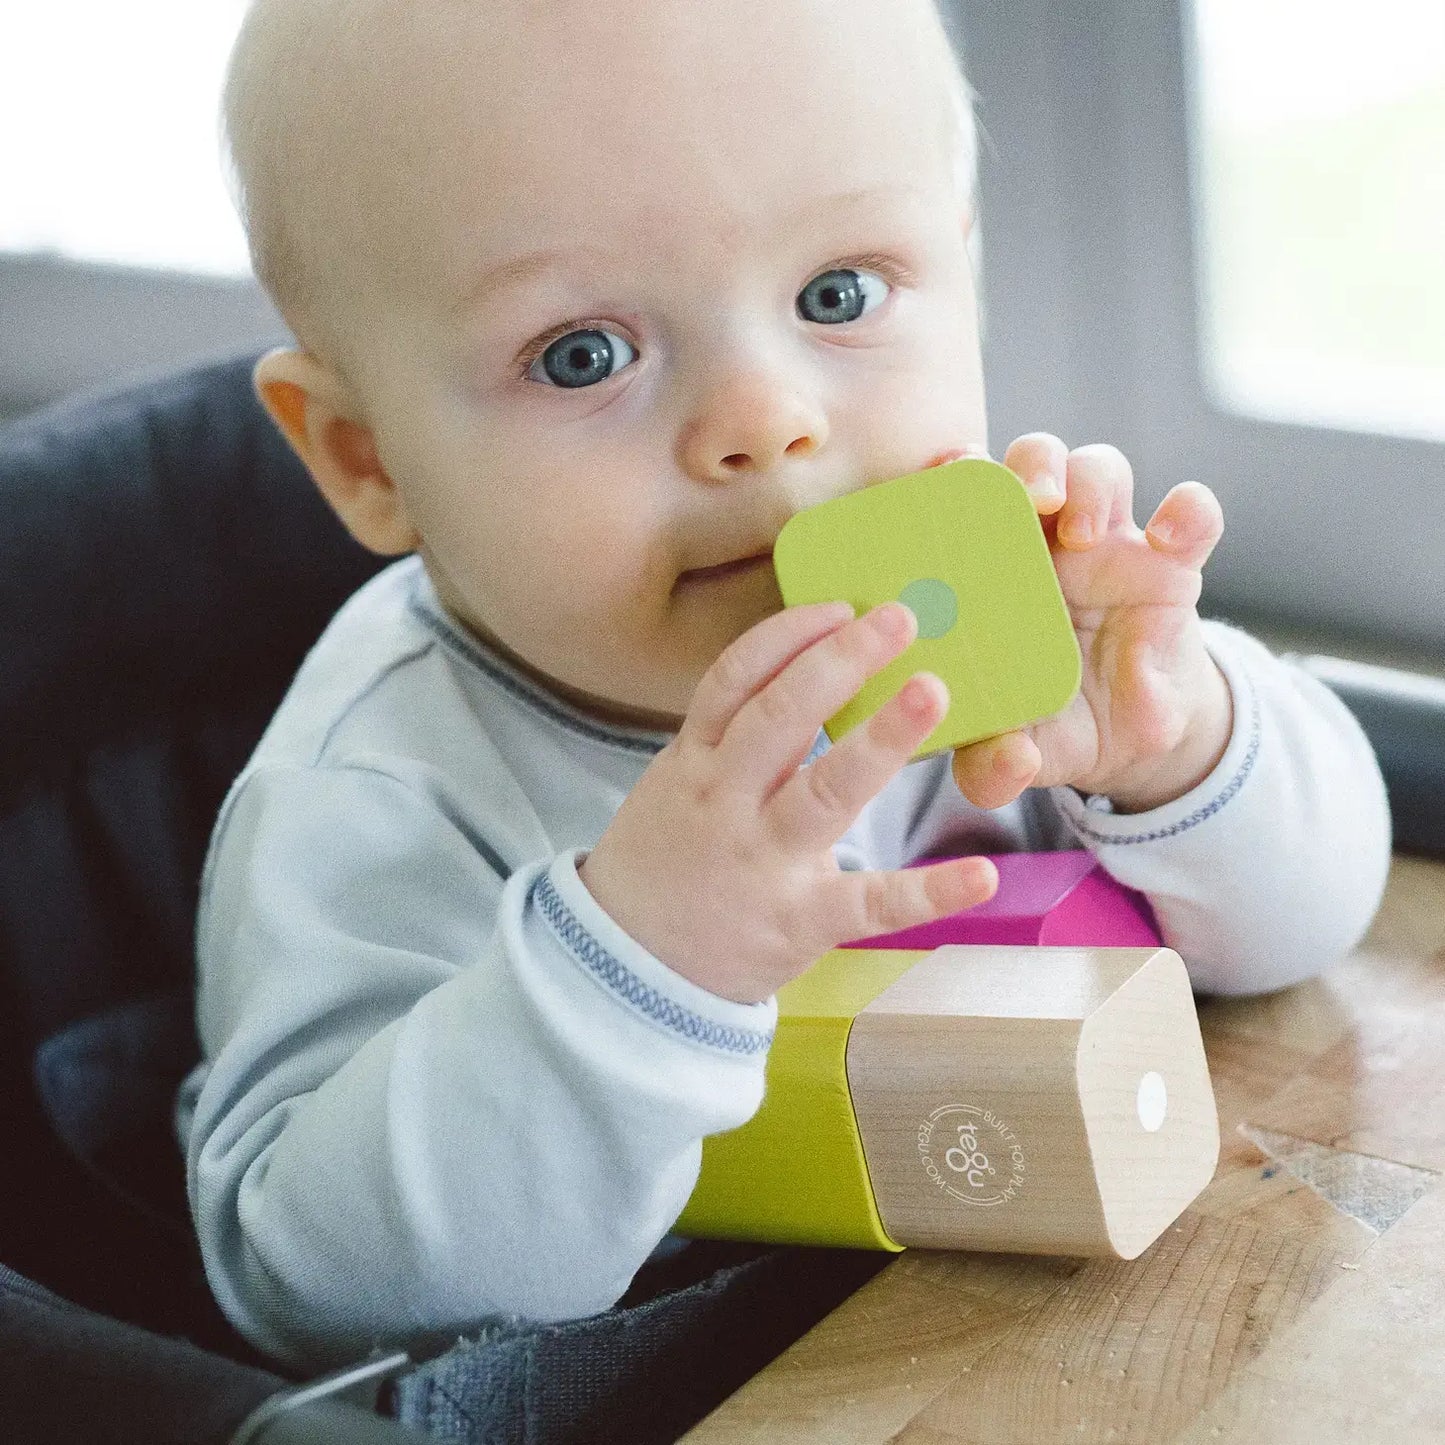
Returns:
point(955, 454)
point(736, 568)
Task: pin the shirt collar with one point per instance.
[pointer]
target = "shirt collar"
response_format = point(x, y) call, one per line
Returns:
point(478, 654)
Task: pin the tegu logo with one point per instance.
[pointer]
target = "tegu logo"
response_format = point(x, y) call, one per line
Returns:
point(971, 1154)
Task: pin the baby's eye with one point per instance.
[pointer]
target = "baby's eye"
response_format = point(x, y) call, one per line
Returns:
point(839, 295)
point(582, 358)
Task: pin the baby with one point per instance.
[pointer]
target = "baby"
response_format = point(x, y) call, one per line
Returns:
point(590, 299)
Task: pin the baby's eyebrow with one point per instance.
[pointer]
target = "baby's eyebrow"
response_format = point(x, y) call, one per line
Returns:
point(523, 269)
point(520, 270)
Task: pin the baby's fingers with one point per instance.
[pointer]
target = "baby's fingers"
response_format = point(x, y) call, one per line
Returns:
point(751, 661)
point(1187, 524)
point(1101, 496)
point(819, 803)
point(1040, 460)
point(995, 771)
point(864, 904)
point(772, 734)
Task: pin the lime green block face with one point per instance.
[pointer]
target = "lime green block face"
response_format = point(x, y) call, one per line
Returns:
point(960, 544)
point(795, 1173)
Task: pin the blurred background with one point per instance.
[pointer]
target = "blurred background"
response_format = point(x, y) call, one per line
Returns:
point(1213, 233)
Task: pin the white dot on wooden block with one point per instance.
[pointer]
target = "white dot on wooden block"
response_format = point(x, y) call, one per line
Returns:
point(1153, 1101)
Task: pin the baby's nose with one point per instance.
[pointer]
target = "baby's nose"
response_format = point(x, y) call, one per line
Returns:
point(751, 424)
point(801, 446)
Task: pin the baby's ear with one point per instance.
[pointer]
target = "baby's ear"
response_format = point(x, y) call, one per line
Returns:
point(314, 411)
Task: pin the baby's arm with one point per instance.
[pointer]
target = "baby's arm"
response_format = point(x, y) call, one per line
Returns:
point(1246, 799)
point(1265, 873)
point(1272, 868)
point(435, 1096)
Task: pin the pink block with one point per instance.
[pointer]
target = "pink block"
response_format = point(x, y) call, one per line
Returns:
point(1046, 899)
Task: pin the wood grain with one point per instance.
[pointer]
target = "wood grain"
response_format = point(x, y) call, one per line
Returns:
point(1300, 1298)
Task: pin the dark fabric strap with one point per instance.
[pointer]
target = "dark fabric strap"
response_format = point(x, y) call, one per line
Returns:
point(643, 1373)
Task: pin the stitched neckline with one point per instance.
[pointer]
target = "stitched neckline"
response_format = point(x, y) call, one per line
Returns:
point(427, 607)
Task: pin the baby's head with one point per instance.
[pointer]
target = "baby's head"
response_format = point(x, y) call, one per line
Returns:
point(758, 297)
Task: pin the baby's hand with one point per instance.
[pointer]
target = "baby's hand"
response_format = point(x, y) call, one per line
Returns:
point(719, 861)
point(1153, 713)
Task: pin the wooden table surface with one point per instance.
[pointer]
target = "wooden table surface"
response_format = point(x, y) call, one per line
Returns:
point(1301, 1298)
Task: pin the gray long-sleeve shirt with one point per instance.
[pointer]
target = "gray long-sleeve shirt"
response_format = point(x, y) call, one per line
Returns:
point(441, 1085)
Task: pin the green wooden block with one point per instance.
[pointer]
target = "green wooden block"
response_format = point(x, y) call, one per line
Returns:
point(961, 546)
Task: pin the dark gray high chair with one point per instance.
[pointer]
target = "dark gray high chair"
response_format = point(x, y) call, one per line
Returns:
point(164, 566)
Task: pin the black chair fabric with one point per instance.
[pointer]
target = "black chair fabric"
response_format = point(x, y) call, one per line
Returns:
point(164, 565)
point(73, 1375)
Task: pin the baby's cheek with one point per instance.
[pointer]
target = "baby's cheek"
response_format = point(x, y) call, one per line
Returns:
point(909, 417)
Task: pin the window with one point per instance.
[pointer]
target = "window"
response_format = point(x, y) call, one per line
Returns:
point(1322, 210)
point(121, 255)
point(118, 109)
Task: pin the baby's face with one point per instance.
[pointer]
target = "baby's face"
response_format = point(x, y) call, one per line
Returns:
point(663, 277)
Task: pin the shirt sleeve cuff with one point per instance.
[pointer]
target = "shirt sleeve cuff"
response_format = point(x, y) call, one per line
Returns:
point(1093, 818)
point(635, 980)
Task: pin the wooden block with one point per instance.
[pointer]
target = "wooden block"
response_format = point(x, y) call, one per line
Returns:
point(1263, 1314)
point(1034, 1100)
point(961, 545)
point(1039, 1100)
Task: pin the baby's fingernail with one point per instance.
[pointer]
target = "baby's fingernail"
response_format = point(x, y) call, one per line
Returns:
point(1079, 529)
point(1047, 488)
point(893, 620)
point(1161, 532)
point(917, 696)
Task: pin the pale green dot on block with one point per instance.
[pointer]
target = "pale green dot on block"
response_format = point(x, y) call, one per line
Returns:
point(933, 603)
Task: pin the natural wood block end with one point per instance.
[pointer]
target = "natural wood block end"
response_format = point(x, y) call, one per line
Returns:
point(1037, 1100)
